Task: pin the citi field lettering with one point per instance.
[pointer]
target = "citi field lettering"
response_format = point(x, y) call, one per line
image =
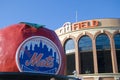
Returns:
point(67, 27)
point(87, 24)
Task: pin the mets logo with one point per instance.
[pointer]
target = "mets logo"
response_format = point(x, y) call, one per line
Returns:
point(38, 54)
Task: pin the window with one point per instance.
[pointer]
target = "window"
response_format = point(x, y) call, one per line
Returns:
point(103, 54)
point(86, 55)
point(117, 46)
point(70, 51)
point(70, 64)
point(69, 46)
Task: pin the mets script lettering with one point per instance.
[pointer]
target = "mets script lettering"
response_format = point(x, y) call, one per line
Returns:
point(36, 60)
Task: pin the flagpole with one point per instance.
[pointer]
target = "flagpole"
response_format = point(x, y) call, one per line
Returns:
point(76, 15)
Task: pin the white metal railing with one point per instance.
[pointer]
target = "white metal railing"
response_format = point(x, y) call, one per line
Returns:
point(70, 51)
point(116, 76)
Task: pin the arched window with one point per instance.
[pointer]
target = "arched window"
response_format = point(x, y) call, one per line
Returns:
point(69, 46)
point(117, 47)
point(70, 52)
point(103, 54)
point(86, 55)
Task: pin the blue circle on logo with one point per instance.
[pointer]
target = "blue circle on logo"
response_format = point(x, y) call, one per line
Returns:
point(38, 54)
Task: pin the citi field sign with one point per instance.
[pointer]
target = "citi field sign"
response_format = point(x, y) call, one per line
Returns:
point(38, 54)
point(68, 27)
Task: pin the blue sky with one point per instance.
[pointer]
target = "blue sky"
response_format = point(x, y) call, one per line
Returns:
point(54, 13)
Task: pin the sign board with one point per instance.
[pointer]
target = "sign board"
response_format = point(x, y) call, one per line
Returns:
point(68, 27)
point(38, 54)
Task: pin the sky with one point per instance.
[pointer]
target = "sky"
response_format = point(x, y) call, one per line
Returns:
point(54, 13)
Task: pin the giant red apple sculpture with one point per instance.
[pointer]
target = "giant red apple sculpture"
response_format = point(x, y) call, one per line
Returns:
point(27, 47)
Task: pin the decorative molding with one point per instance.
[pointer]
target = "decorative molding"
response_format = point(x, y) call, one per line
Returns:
point(102, 31)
